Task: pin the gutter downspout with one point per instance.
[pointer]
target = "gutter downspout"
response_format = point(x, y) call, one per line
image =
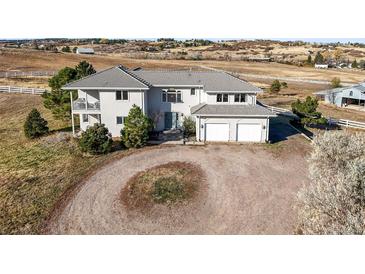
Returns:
point(267, 128)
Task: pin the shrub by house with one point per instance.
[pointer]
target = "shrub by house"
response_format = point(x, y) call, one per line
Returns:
point(96, 140)
point(189, 126)
point(136, 128)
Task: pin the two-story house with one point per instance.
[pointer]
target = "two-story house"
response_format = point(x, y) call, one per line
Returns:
point(223, 106)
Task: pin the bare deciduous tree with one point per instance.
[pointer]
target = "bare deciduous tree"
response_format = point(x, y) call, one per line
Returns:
point(334, 202)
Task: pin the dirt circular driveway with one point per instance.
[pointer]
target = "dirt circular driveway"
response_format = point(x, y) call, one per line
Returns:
point(250, 190)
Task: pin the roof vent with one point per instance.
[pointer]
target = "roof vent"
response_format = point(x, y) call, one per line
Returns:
point(122, 67)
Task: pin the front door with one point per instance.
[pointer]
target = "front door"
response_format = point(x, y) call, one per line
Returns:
point(171, 120)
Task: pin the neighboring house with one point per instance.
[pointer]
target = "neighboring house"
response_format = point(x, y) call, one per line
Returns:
point(345, 96)
point(85, 51)
point(223, 106)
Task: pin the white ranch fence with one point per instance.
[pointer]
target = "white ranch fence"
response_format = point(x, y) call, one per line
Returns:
point(331, 121)
point(281, 111)
point(10, 74)
point(11, 89)
point(346, 123)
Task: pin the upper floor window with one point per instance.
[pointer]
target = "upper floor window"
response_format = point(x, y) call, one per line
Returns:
point(192, 91)
point(240, 98)
point(171, 96)
point(222, 97)
point(121, 95)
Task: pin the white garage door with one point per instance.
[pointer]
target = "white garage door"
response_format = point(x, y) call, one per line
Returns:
point(248, 132)
point(217, 132)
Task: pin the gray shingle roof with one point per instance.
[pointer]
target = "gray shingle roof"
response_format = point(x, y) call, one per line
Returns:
point(329, 91)
point(234, 110)
point(360, 87)
point(114, 77)
point(210, 80)
point(119, 77)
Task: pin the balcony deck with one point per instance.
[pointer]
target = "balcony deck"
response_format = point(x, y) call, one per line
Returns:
point(82, 106)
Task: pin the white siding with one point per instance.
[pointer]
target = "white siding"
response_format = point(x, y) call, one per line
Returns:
point(93, 119)
point(151, 103)
point(111, 108)
point(157, 108)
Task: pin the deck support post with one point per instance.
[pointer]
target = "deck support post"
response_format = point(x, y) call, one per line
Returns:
point(72, 115)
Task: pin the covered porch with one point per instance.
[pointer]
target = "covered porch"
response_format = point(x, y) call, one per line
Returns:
point(87, 109)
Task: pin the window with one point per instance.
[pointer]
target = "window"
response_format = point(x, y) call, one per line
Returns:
point(85, 118)
point(171, 96)
point(351, 93)
point(225, 97)
point(192, 91)
point(120, 120)
point(222, 98)
point(118, 95)
point(121, 95)
point(125, 95)
point(240, 98)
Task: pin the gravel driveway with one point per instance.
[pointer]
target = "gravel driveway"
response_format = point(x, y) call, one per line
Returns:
point(250, 189)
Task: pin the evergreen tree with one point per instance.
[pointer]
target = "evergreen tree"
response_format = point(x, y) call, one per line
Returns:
point(309, 59)
point(35, 126)
point(96, 140)
point(84, 69)
point(336, 82)
point(136, 128)
point(307, 111)
point(275, 86)
point(189, 126)
point(58, 100)
point(354, 64)
point(319, 58)
point(66, 49)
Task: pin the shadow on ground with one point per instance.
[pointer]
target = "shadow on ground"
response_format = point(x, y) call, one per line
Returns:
point(280, 129)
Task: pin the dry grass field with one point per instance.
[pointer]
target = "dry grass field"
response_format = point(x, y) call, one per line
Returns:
point(28, 60)
point(255, 73)
point(34, 174)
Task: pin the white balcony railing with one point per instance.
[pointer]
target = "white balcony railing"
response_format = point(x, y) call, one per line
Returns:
point(82, 104)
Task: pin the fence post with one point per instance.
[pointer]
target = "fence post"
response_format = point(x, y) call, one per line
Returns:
point(9, 89)
point(21, 90)
point(347, 123)
point(32, 90)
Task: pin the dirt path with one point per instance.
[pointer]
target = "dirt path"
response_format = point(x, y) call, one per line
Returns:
point(250, 190)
